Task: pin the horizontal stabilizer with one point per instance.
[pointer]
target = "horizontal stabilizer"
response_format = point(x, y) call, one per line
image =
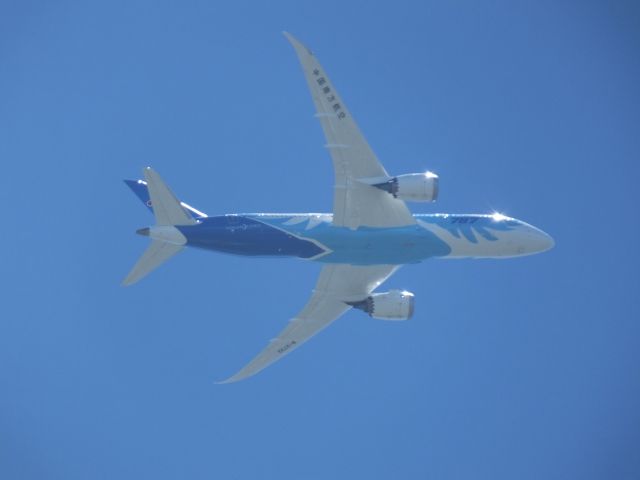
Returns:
point(139, 187)
point(166, 206)
point(157, 253)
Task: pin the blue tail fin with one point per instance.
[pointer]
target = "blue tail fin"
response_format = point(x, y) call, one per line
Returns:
point(139, 187)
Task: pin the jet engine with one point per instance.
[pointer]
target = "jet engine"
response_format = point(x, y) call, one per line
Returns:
point(393, 305)
point(412, 187)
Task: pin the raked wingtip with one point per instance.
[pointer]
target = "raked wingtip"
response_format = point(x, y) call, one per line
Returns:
point(292, 40)
point(227, 381)
point(297, 44)
point(241, 375)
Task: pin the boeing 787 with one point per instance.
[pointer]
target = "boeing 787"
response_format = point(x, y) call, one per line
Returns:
point(369, 235)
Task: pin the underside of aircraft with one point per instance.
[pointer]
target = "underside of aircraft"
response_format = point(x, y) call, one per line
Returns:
point(368, 236)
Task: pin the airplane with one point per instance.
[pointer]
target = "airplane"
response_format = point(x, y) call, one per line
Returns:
point(369, 235)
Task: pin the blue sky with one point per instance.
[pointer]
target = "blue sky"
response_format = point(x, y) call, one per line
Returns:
point(525, 368)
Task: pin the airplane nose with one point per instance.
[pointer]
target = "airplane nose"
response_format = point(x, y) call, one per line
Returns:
point(539, 241)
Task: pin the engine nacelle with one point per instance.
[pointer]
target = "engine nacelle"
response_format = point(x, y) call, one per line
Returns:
point(393, 305)
point(412, 187)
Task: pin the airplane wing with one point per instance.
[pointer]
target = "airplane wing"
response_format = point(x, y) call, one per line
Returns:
point(355, 203)
point(337, 283)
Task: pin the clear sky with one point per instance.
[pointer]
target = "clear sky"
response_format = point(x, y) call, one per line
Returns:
point(525, 368)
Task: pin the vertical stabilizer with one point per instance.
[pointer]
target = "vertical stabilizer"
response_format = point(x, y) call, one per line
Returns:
point(166, 240)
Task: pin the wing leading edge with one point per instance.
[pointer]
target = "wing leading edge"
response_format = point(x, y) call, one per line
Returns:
point(355, 203)
point(336, 285)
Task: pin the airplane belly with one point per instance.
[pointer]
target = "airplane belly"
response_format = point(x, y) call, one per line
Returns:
point(243, 236)
point(379, 246)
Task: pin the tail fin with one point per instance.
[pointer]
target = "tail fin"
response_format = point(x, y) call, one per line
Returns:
point(168, 212)
point(139, 187)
